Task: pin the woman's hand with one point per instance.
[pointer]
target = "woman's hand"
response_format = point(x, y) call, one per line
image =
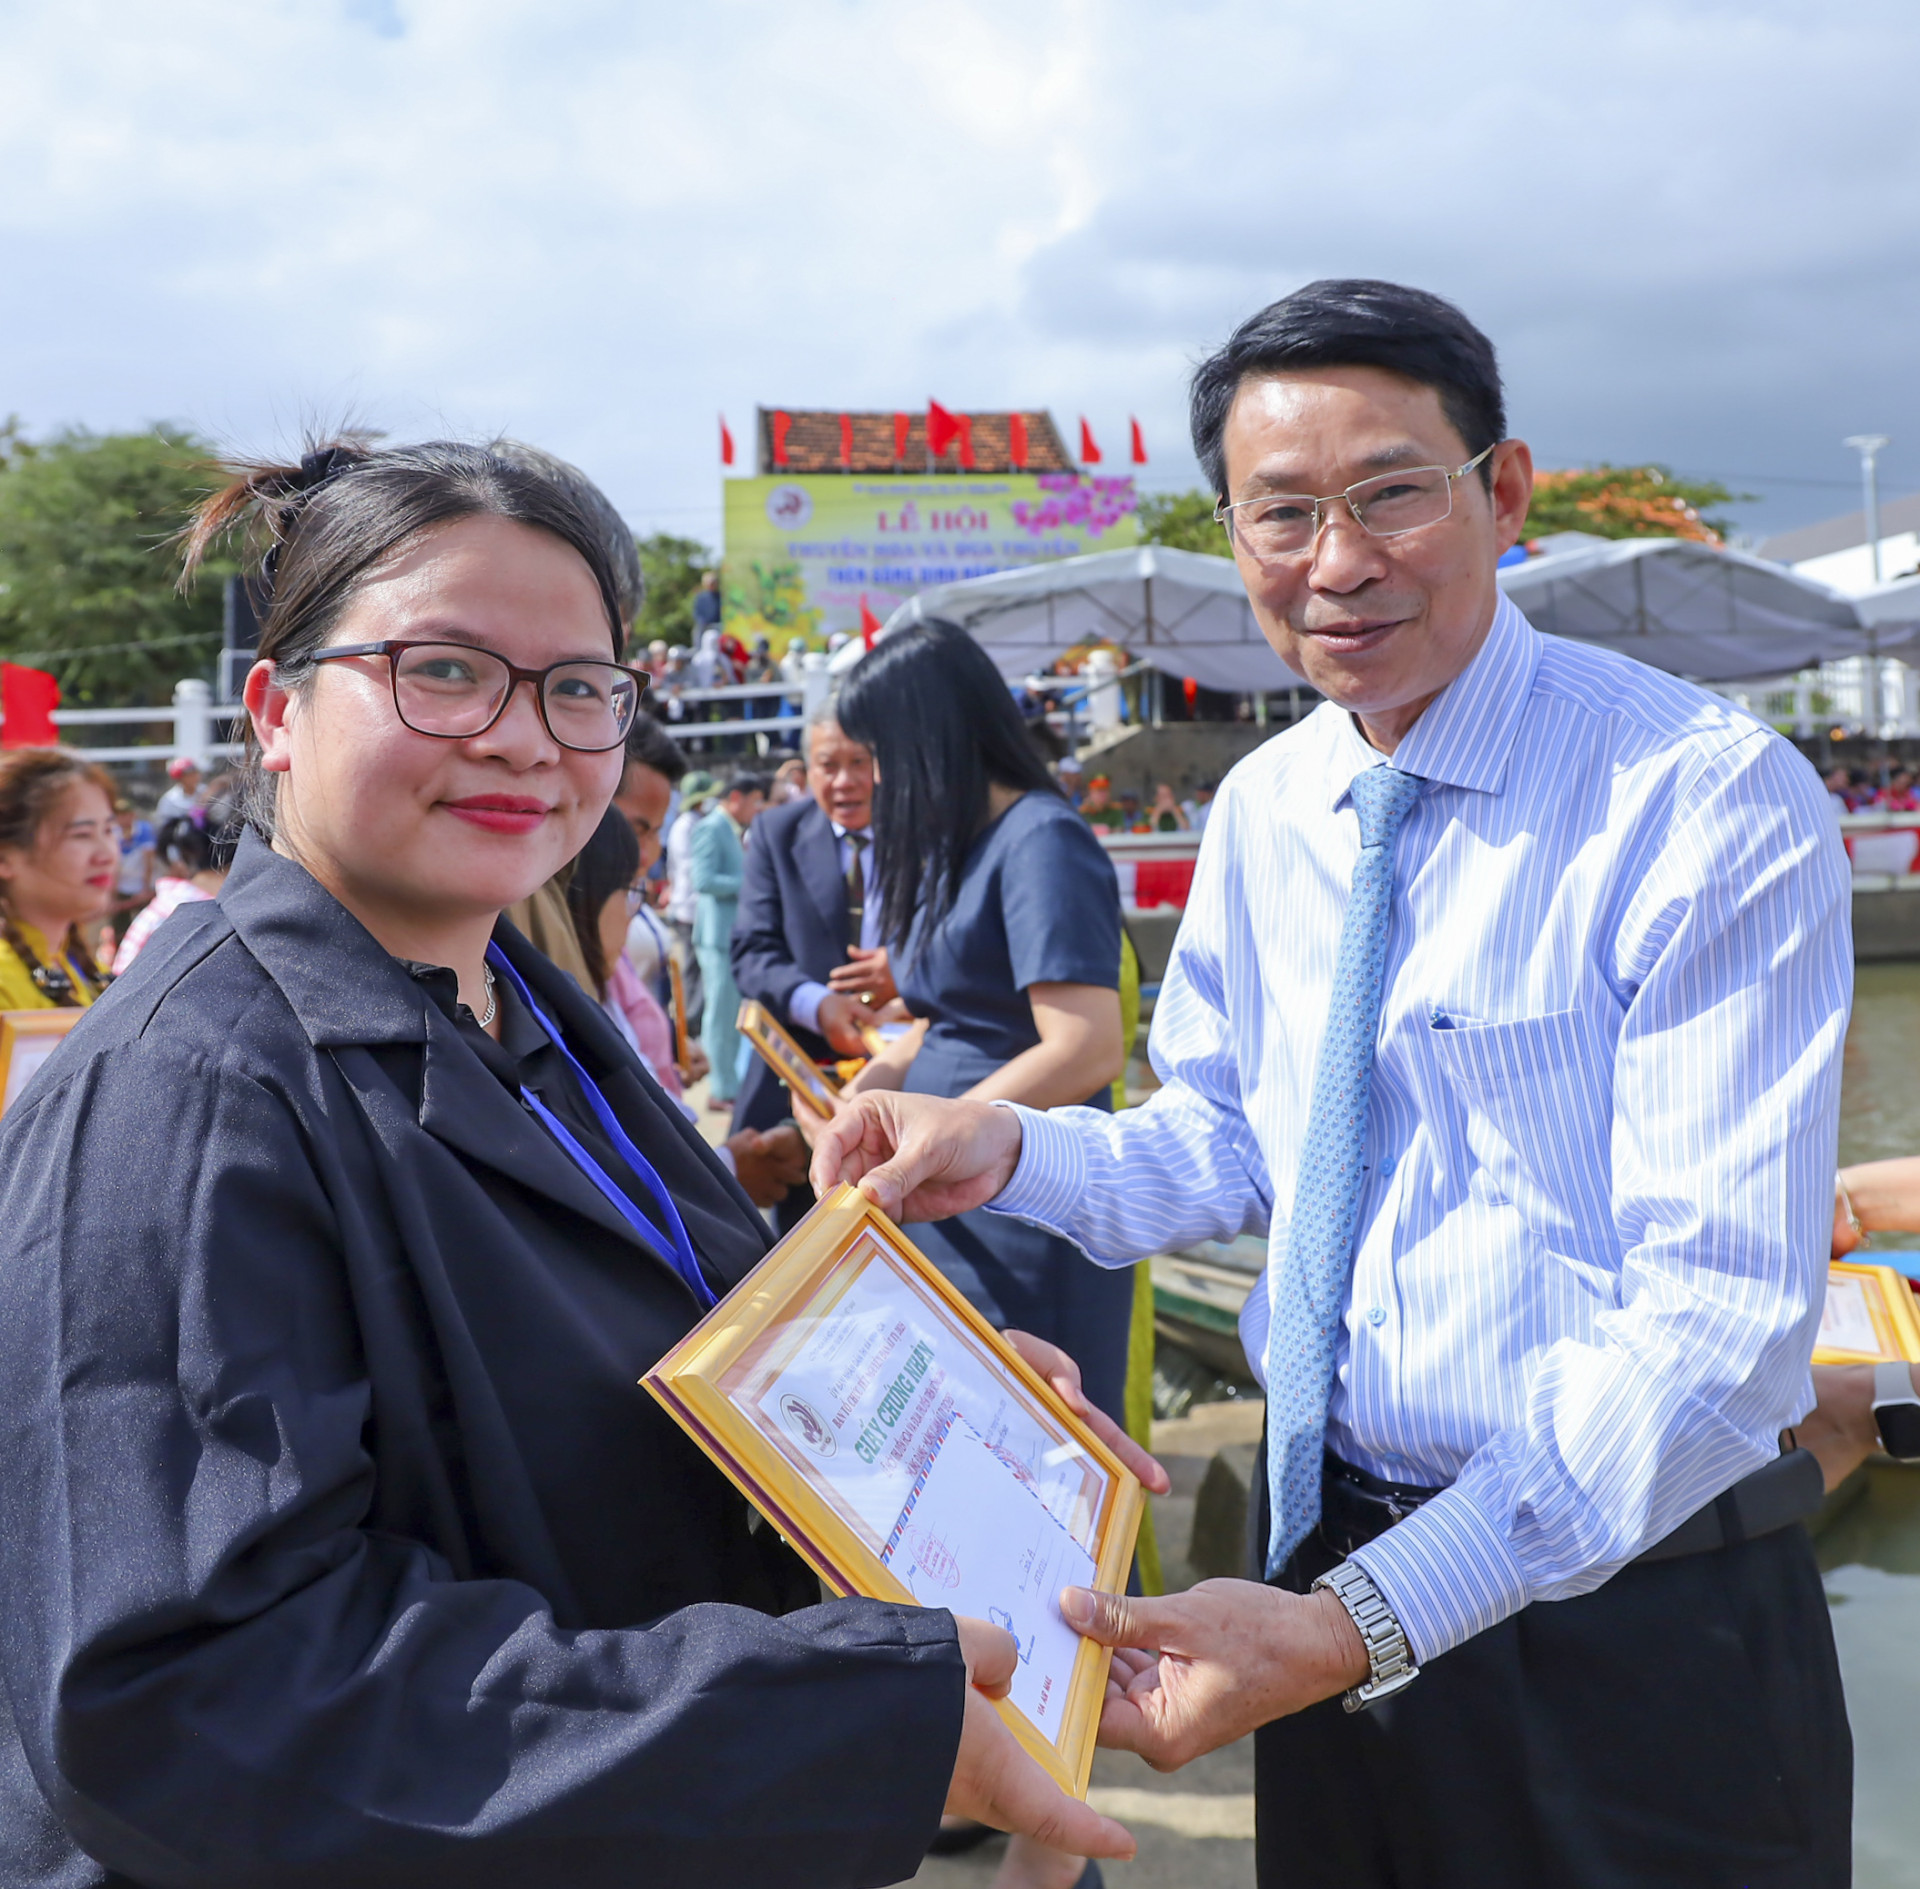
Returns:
point(1064, 1375)
point(995, 1781)
point(917, 1157)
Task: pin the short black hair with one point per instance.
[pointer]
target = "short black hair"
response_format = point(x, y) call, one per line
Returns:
point(1352, 322)
point(747, 784)
point(649, 745)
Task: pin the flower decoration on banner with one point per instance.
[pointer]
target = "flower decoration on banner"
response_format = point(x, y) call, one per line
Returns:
point(1074, 502)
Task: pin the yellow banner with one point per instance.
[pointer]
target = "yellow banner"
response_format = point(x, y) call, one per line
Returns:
point(803, 553)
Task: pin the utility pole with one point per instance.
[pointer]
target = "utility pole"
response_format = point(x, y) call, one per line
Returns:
point(1868, 445)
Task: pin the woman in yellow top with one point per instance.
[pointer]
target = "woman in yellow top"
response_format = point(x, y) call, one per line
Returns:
point(58, 852)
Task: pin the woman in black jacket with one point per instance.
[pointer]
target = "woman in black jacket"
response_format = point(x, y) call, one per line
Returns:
point(338, 1543)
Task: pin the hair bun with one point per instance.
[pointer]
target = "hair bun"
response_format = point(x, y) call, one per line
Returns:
point(317, 468)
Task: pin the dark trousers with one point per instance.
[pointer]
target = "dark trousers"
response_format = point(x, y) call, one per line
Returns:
point(1681, 1725)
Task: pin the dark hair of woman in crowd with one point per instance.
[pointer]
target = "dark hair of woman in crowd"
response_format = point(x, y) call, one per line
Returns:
point(605, 867)
point(322, 526)
point(941, 725)
point(206, 839)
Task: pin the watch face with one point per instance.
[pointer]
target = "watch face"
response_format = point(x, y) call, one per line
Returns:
point(1899, 1430)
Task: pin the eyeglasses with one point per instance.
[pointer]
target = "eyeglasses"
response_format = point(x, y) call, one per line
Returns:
point(1283, 524)
point(454, 691)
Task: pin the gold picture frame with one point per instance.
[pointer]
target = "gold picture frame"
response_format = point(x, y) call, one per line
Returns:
point(1869, 1316)
point(846, 1347)
point(788, 1060)
point(682, 1036)
point(27, 1039)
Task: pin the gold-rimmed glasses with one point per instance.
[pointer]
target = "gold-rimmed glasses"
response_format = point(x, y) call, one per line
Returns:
point(1283, 524)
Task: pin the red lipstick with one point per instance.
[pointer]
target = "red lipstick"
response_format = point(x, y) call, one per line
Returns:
point(500, 813)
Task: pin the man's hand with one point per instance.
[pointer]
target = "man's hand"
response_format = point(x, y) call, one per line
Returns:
point(917, 1157)
point(840, 1019)
point(769, 1165)
point(1064, 1375)
point(1231, 1655)
point(867, 977)
point(995, 1781)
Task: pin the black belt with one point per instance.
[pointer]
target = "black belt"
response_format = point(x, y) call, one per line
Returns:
point(1355, 1507)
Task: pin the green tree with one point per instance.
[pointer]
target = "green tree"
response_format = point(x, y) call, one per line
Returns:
point(672, 568)
point(1183, 520)
point(1628, 502)
point(87, 562)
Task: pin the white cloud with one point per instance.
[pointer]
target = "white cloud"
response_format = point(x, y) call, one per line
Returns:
point(1689, 226)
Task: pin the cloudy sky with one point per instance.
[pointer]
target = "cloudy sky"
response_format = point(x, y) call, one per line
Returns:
point(1690, 227)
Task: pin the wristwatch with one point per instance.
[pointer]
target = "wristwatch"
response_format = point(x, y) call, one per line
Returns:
point(1388, 1653)
point(1896, 1410)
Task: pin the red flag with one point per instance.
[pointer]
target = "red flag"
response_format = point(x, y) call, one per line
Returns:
point(1089, 452)
point(28, 698)
point(965, 423)
point(902, 422)
point(1139, 444)
point(1017, 440)
point(726, 443)
point(846, 442)
point(869, 623)
point(1191, 690)
point(942, 430)
point(781, 422)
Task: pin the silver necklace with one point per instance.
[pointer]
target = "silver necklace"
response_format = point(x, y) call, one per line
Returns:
point(493, 1000)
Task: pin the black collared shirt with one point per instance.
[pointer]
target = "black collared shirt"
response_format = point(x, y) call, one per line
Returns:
point(525, 1057)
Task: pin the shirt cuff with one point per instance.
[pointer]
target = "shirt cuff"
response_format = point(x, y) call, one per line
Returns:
point(1051, 1175)
point(1446, 1572)
point(803, 1007)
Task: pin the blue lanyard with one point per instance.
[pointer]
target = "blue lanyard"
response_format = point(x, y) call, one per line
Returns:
point(681, 1258)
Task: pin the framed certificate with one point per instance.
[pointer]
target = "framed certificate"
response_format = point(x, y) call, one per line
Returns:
point(900, 1445)
point(27, 1039)
point(788, 1060)
point(1869, 1317)
point(677, 991)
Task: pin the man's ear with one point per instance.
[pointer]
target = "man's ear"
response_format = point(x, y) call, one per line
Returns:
point(268, 705)
point(1512, 491)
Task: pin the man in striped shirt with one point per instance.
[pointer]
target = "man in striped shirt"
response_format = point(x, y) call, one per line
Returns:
point(1544, 1110)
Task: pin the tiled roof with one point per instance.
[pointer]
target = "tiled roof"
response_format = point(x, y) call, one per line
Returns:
point(814, 441)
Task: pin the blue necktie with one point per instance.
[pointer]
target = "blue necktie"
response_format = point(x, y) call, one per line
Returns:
point(1311, 1286)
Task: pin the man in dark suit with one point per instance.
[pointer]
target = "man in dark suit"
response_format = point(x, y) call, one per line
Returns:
point(806, 939)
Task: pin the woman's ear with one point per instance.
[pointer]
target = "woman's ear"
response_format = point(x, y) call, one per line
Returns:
point(269, 705)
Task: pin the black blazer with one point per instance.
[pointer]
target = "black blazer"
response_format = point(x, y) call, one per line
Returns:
point(791, 929)
point(338, 1543)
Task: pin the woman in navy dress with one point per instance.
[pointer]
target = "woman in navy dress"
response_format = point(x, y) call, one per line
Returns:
point(1005, 914)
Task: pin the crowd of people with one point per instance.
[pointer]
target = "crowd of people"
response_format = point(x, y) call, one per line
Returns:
point(1862, 790)
point(339, 1541)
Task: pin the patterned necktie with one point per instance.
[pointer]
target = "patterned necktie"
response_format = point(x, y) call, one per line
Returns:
point(856, 888)
point(1310, 1286)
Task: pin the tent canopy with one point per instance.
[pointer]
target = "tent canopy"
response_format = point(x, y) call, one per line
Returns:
point(1182, 612)
point(1897, 603)
point(1691, 609)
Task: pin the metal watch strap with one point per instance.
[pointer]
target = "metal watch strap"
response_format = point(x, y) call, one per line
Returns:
point(1388, 1653)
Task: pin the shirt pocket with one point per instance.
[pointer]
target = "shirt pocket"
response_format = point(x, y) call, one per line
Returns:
point(1536, 1096)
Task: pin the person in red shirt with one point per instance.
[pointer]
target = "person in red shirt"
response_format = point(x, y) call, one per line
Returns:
point(1898, 795)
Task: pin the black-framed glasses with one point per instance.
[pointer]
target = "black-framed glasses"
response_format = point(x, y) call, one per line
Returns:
point(455, 691)
point(1283, 524)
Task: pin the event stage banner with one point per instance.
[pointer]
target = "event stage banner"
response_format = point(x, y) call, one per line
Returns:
point(804, 553)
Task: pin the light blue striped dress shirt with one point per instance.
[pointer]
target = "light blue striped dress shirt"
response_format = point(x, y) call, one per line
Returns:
point(1591, 1247)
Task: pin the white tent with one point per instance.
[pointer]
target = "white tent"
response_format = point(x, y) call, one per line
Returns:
point(1691, 609)
point(1895, 604)
point(1183, 613)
